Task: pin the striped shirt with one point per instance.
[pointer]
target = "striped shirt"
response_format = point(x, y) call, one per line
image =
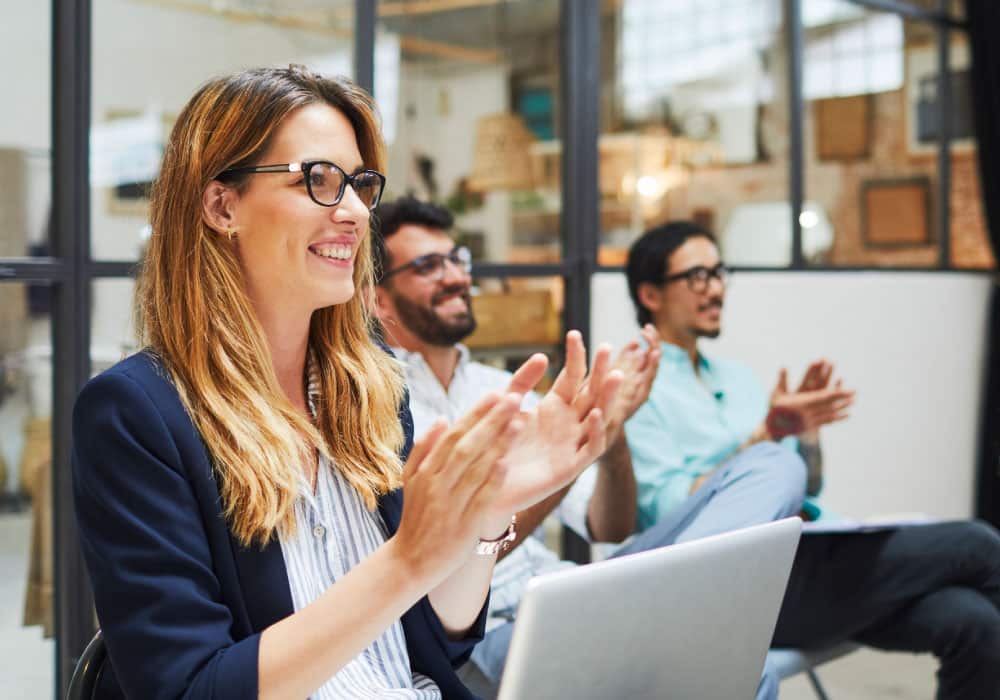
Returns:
point(335, 532)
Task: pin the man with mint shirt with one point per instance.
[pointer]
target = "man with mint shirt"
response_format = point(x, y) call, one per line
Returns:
point(709, 444)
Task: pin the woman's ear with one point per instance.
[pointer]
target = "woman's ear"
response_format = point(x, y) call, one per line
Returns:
point(218, 208)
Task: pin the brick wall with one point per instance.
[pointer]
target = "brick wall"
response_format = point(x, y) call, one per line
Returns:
point(837, 187)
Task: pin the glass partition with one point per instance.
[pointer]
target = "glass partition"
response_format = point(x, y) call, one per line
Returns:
point(469, 94)
point(143, 75)
point(27, 609)
point(694, 125)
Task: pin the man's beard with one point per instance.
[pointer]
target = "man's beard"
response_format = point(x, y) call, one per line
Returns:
point(706, 332)
point(424, 322)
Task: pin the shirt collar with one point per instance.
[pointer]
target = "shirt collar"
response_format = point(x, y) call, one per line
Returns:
point(411, 357)
point(677, 355)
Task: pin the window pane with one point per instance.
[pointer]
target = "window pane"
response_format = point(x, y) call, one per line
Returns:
point(112, 333)
point(143, 75)
point(25, 130)
point(26, 554)
point(469, 101)
point(516, 317)
point(871, 142)
point(970, 245)
point(699, 130)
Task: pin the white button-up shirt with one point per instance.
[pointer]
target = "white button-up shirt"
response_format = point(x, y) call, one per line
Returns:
point(334, 532)
point(471, 381)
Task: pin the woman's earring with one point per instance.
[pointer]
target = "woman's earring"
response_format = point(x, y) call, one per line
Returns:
point(231, 233)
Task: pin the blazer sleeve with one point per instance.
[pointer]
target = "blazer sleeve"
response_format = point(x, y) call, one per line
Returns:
point(146, 548)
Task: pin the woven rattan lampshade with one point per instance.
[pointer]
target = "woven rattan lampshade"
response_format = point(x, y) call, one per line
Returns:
point(501, 160)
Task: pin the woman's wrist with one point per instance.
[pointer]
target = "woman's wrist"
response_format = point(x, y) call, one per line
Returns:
point(416, 569)
point(493, 546)
point(495, 528)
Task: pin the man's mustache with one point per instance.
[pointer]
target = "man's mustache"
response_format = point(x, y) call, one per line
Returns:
point(712, 304)
point(459, 289)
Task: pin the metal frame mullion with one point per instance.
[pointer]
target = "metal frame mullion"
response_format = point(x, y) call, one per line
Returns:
point(580, 87)
point(71, 90)
point(488, 269)
point(112, 268)
point(944, 99)
point(32, 270)
point(364, 44)
point(580, 72)
point(900, 7)
point(794, 32)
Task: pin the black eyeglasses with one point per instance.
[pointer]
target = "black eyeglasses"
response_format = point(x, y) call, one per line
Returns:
point(325, 182)
point(431, 266)
point(697, 277)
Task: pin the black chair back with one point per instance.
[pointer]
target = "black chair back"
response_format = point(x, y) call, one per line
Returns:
point(87, 674)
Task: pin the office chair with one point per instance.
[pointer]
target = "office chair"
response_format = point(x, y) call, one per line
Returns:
point(788, 662)
point(87, 674)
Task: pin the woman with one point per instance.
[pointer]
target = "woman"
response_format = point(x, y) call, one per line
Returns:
point(237, 484)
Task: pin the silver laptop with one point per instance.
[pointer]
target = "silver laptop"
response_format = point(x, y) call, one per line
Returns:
point(693, 620)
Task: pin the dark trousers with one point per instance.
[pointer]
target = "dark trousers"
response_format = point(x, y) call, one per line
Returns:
point(929, 588)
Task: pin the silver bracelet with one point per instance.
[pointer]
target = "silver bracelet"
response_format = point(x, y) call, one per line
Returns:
point(501, 543)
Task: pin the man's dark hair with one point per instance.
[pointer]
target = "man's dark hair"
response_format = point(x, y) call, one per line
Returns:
point(648, 256)
point(392, 216)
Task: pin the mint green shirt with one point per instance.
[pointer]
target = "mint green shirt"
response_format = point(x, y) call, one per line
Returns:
point(690, 424)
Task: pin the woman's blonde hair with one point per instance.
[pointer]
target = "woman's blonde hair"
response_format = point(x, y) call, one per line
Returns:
point(193, 312)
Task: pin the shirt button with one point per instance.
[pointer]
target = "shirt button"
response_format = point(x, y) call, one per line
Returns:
point(319, 531)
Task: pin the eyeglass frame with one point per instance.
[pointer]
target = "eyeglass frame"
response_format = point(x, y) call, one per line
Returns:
point(454, 256)
point(719, 272)
point(305, 167)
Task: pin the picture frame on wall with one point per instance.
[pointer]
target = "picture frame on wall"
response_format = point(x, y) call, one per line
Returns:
point(921, 89)
point(896, 212)
point(843, 128)
point(127, 147)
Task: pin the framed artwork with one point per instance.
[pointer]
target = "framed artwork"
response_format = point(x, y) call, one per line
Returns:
point(843, 127)
point(127, 147)
point(896, 213)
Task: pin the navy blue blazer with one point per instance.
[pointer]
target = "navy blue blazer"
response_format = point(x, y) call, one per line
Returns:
point(180, 602)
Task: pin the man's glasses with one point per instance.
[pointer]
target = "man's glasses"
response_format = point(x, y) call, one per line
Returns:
point(431, 266)
point(697, 277)
point(325, 182)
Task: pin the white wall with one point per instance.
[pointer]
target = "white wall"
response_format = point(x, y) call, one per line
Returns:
point(25, 35)
point(912, 344)
point(438, 113)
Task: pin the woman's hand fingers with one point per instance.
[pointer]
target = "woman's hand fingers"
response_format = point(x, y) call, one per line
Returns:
point(608, 392)
point(592, 390)
point(438, 456)
point(568, 382)
point(528, 374)
point(422, 447)
point(479, 448)
point(593, 443)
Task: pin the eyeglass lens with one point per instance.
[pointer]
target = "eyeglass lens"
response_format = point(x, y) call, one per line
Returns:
point(327, 183)
point(433, 265)
point(698, 278)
